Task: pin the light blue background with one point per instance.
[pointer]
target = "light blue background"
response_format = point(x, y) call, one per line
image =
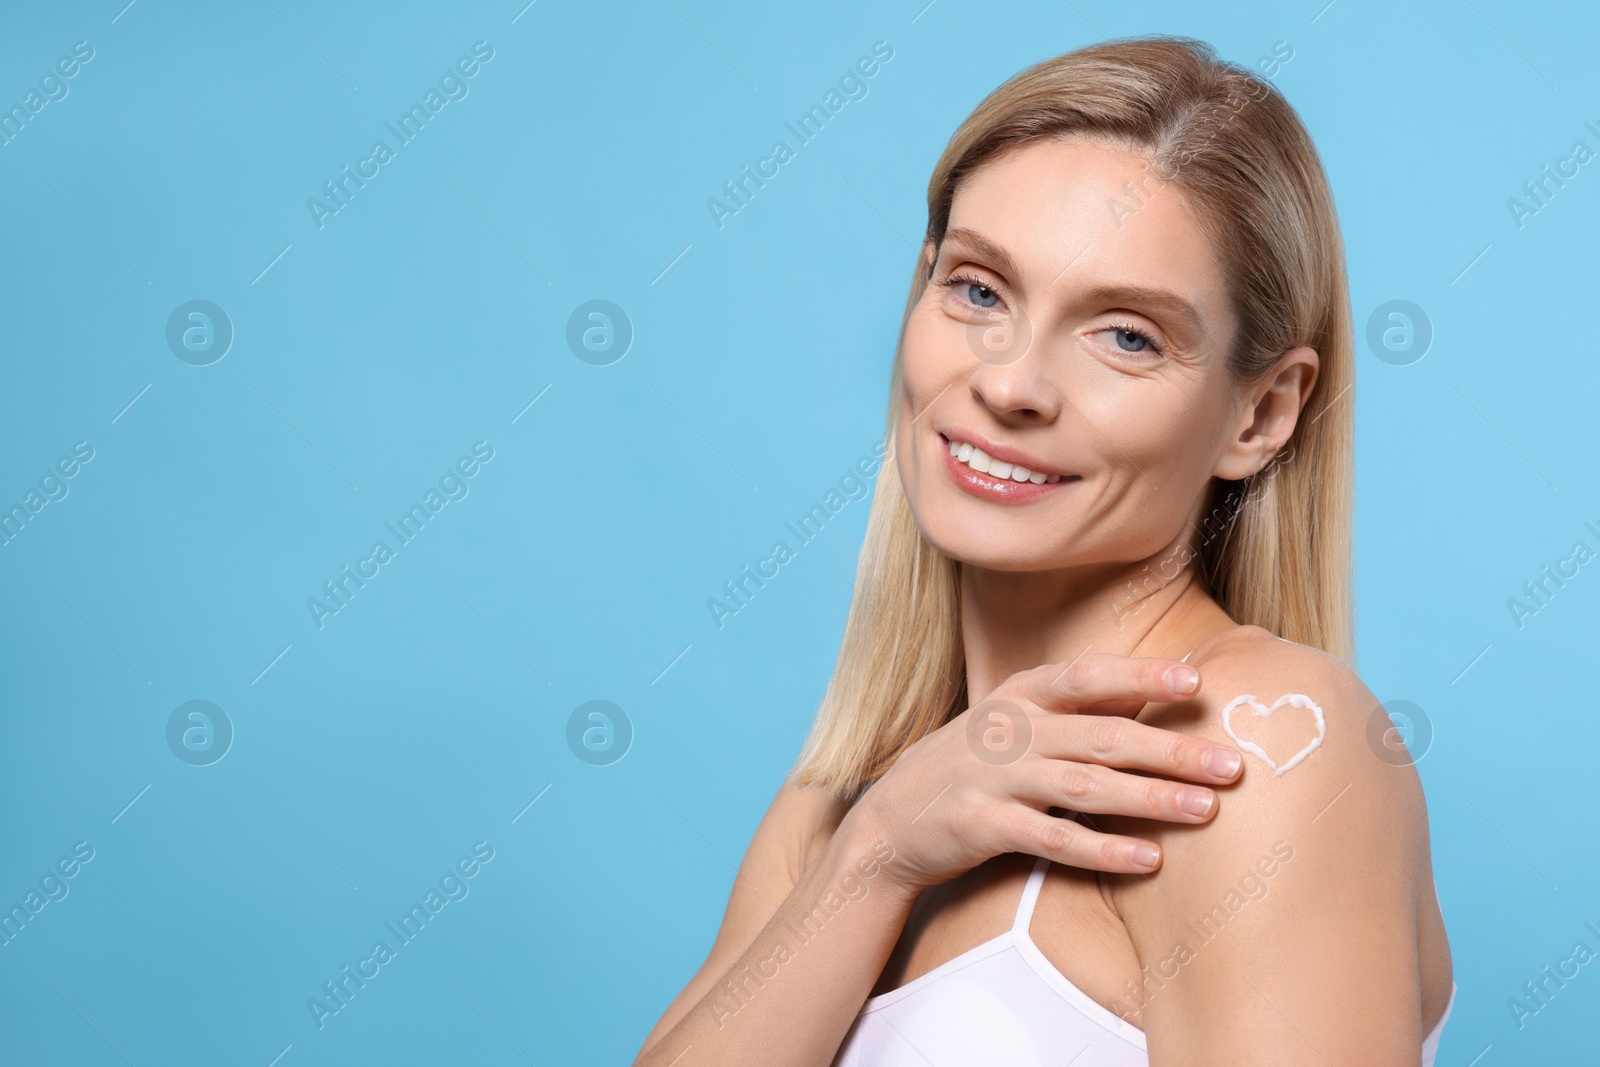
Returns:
point(430, 311)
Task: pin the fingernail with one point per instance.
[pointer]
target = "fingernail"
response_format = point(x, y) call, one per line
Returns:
point(1145, 855)
point(1182, 679)
point(1195, 801)
point(1222, 762)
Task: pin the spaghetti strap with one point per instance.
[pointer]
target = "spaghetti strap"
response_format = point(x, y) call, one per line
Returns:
point(1030, 897)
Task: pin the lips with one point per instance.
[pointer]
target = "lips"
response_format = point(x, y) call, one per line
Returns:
point(998, 472)
point(977, 459)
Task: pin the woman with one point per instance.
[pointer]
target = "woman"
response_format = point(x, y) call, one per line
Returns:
point(1121, 427)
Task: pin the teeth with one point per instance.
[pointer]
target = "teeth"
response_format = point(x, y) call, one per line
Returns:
point(981, 461)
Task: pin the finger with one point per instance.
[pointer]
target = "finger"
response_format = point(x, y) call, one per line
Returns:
point(1101, 790)
point(1072, 844)
point(1112, 741)
point(1126, 708)
point(1099, 677)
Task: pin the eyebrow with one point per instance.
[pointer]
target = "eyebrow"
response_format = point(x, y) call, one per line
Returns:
point(986, 248)
point(1164, 302)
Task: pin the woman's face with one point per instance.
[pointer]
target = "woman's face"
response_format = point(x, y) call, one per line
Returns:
point(1075, 325)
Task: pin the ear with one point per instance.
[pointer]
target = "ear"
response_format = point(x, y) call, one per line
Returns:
point(1269, 413)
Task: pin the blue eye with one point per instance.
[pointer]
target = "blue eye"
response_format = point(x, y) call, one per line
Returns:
point(981, 295)
point(1134, 342)
point(972, 291)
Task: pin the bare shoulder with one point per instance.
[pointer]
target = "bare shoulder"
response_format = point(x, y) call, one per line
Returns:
point(1318, 779)
point(1311, 733)
point(1319, 850)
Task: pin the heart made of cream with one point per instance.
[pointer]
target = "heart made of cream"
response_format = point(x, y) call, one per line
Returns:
point(1293, 700)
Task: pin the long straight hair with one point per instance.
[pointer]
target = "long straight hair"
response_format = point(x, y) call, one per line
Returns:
point(1230, 142)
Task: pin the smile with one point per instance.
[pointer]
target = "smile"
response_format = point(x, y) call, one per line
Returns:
point(983, 474)
point(979, 460)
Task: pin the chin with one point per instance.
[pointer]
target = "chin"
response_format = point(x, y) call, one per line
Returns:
point(990, 545)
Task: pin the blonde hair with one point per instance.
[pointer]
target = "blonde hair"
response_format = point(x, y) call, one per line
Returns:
point(1231, 143)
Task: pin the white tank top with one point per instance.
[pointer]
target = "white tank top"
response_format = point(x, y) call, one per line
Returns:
point(1004, 1002)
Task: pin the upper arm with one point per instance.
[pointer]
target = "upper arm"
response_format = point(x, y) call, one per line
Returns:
point(797, 822)
point(1283, 931)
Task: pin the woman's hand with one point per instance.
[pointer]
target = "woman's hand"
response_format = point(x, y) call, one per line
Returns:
point(983, 784)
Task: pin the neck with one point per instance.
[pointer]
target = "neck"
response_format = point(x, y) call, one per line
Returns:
point(1013, 621)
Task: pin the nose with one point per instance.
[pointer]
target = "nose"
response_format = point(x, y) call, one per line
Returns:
point(1020, 391)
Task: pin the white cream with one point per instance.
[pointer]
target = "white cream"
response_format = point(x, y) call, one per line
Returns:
point(1293, 700)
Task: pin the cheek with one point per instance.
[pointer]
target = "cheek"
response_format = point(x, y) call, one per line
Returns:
point(925, 362)
point(1164, 435)
point(1156, 442)
point(926, 372)
point(1194, 435)
point(927, 368)
point(1147, 425)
